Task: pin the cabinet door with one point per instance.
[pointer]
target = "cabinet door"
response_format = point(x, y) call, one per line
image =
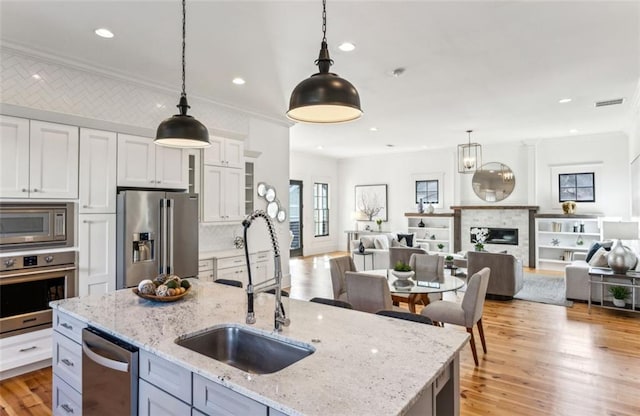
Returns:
point(154, 402)
point(14, 155)
point(53, 160)
point(172, 168)
point(214, 399)
point(212, 197)
point(65, 401)
point(233, 198)
point(234, 153)
point(97, 171)
point(136, 161)
point(214, 154)
point(97, 256)
point(24, 349)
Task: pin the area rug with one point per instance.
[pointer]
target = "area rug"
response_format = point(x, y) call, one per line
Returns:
point(543, 289)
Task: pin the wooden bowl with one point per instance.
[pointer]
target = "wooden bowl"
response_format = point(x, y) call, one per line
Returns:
point(161, 298)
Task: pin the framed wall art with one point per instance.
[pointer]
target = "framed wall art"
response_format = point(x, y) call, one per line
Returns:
point(371, 202)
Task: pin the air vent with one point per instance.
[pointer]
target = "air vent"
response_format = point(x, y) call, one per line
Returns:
point(609, 102)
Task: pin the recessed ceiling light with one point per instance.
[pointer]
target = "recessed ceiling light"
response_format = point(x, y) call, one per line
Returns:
point(319, 147)
point(373, 129)
point(397, 73)
point(104, 33)
point(573, 131)
point(238, 81)
point(346, 47)
point(36, 76)
point(564, 100)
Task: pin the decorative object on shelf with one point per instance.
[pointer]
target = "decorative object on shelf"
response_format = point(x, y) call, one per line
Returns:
point(488, 185)
point(440, 246)
point(581, 227)
point(555, 242)
point(620, 258)
point(433, 237)
point(182, 130)
point(420, 206)
point(421, 224)
point(430, 208)
point(620, 295)
point(579, 240)
point(479, 237)
point(238, 242)
point(469, 156)
point(575, 227)
point(324, 97)
point(569, 207)
point(556, 227)
point(379, 223)
point(361, 247)
point(371, 201)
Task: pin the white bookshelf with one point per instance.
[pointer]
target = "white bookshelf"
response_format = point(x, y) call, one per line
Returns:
point(555, 255)
point(437, 229)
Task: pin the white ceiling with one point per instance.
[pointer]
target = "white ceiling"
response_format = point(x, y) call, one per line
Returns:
point(497, 67)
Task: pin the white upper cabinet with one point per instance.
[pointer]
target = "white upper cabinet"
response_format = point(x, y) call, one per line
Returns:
point(14, 151)
point(224, 152)
point(143, 164)
point(39, 159)
point(222, 194)
point(97, 171)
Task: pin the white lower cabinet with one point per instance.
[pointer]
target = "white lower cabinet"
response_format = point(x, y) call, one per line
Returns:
point(65, 400)
point(205, 270)
point(25, 352)
point(67, 360)
point(236, 267)
point(213, 399)
point(97, 253)
point(155, 402)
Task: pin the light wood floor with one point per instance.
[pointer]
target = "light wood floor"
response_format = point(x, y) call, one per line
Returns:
point(541, 360)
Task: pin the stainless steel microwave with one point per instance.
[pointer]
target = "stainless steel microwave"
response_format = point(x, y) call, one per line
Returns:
point(36, 225)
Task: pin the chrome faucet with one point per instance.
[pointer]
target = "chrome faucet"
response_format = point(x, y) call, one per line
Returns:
point(280, 317)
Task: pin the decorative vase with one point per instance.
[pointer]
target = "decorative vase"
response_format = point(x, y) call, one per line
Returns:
point(430, 208)
point(569, 207)
point(361, 247)
point(379, 227)
point(619, 302)
point(420, 207)
point(620, 258)
point(421, 224)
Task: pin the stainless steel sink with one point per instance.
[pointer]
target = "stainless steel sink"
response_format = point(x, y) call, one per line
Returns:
point(247, 349)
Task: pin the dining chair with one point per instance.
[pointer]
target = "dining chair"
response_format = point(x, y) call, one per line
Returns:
point(407, 316)
point(368, 292)
point(229, 282)
point(428, 267)
point(338, 266)
point(467, 313)
point(332, 302)
point(404, 254)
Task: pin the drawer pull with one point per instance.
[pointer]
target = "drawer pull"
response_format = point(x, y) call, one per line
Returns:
point(67, 362)
point(28, 348)
point(67, 408)
point(67, 326)
point(24, 321)
point(238, 261)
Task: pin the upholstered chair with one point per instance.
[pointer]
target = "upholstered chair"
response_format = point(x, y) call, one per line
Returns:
point(429, 267)
point(506, 272)
point(338, 267)
point(468, 313)
point(368, 292)
point(404, 254)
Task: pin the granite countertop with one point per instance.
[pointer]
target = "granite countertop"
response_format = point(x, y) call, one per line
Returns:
point(363, 363)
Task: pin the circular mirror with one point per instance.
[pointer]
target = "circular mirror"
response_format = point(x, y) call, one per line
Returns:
point(272, 209)
point(270, 194)
point(262, 189)
point(281, 216)
point(493, 182)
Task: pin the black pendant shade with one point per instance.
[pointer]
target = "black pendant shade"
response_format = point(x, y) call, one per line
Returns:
point(324, 97)
point(182, 130)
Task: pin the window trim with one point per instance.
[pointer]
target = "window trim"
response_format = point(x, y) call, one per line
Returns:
point(437, 201)
point(326, 209)
point(593, 186)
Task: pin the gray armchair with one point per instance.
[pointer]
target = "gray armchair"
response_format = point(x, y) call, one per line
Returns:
point(506, 272)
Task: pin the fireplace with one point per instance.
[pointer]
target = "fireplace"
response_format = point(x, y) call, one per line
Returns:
point(508, 236)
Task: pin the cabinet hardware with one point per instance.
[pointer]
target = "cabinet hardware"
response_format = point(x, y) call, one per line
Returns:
point(33, 347)
point(85, 206)
point(67, 408)
point(25, 190)
point(67, 362)
point(67, 326)
point(35, 189)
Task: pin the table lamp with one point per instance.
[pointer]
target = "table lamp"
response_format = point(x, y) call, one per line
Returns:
point(620, 258)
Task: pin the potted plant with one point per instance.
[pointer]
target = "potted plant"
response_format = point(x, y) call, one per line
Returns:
point(440, 246)
point(379, 222)
point(448, 261)
point(402, 270)
point(620, 294)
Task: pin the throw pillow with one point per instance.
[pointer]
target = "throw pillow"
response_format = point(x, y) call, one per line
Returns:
point(592, 250)
point(396, 243)
point(599, 259)
point(368, 242)
point(408, 238)
point(381, 242)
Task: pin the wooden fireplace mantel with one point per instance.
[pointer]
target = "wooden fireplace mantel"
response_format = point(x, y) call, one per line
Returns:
point(527, 207)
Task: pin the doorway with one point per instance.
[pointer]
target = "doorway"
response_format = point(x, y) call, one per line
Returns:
point(295, 218)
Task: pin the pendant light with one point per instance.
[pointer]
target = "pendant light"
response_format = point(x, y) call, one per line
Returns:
point(182, 130)
point(324, 97)
point(469, 156)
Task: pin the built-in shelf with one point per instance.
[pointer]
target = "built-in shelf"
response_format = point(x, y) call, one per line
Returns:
point(560, 230)
point(574, 248)
point(439, 226)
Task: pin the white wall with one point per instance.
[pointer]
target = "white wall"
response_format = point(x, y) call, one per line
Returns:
point(312, 169)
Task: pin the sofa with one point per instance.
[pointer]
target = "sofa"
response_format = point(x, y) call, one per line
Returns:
point(378, 245)
point(577, 280)
point(506, 272)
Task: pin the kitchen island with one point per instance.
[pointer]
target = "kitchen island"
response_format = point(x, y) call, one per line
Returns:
point(362, 364)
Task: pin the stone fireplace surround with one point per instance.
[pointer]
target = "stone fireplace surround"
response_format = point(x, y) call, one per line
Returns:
point(521, 217)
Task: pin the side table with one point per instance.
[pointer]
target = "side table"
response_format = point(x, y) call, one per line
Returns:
point(603, 278)
point(364, 259)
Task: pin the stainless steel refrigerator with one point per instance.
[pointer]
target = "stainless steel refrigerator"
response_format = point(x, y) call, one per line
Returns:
point(157, 233)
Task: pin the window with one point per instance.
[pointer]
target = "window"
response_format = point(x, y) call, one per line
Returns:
point(321, 209)
point(427, 191)
point(577, 187)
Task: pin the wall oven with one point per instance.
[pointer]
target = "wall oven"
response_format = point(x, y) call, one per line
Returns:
point(28, 283)
point(28, 225)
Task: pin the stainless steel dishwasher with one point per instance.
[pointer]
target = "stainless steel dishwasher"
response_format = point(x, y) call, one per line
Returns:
point(109, 375)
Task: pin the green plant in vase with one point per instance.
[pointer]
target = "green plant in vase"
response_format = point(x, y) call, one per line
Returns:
point(448, 261)
point(401, 266)
point(440, 246)
point(379, 223)
point(620, 294)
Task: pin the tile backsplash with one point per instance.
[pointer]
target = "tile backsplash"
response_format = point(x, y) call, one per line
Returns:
point(215, 237)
